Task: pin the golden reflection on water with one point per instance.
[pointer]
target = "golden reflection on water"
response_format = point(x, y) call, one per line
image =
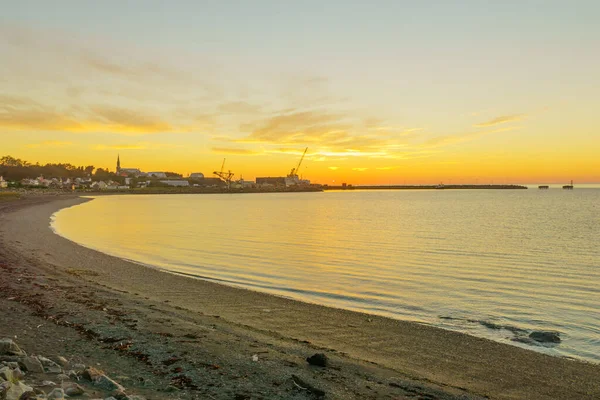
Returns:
point(523, 258)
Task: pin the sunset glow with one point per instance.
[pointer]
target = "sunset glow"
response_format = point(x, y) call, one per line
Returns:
point(427, 93)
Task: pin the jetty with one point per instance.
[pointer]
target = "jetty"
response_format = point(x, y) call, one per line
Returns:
point(568, 187)
point(543, 187)
point(419, 187)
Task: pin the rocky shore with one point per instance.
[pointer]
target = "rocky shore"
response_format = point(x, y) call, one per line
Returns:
point(29, 377)
point(163, 336)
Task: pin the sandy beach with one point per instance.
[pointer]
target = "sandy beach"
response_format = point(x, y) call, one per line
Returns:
point(161, 331)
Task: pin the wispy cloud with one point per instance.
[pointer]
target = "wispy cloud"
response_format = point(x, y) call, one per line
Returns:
point(134, 146)
point(360, 169)
point(21, 113)
point(228, 150)
point(239, 107)
point(334, 168)
point(501, 120)
point(50, 143)
point(139, 146)
point(463, 137)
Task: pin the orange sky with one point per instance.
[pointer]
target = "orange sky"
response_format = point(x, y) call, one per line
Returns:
point(481, 95)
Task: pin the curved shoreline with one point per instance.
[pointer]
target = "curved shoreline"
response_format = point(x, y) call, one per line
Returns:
point(449, 359)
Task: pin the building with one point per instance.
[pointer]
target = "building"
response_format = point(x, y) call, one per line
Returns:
point(99, 185)
point(197, 175)
point(3, 183)
point(127, 171)
point(159, 175)
point(176, 183)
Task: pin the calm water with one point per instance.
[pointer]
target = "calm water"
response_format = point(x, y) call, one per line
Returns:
point(495, 264)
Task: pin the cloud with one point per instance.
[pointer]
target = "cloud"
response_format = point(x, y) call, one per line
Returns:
point(238, 107)
point(305, 126)
point(501, 120)
point(334, 168)
point(129, 121)
point(225, 150)
point(50, 143)
point(359, 169)
point(21, 113)
point(384, 168)
point(139, 146)
point(463, 137)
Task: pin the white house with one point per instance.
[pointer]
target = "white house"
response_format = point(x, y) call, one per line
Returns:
point(175, 183)
point(197, 175)
point(99, 185)
point(159, 175)
point(3, 183)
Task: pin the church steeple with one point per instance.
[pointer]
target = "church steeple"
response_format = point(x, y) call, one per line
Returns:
point(118, 163)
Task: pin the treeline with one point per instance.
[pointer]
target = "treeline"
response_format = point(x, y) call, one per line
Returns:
point(15, 169)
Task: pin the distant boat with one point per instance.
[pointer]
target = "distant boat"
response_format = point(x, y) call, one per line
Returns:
point(543, 187)
point(568, 187)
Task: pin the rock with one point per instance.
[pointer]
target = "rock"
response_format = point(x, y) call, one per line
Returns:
point(73, 389)
point(4, 386)
point(79, 368)
point(50, 366)
point(32, 364)
point(30, 396)
point(10, 348)
point(48, 384)
point(7, 374)
point(108, 384)
point(91, 373)
point(63, 377)
point(63, 362)
point(11, 364)
point(18, 374)
point(56, 394)
point(545, 336)
point(318, 359)
point(119, 395)
point(135, 397)
point(101, 380)
point(304, 385)
point(16, 390)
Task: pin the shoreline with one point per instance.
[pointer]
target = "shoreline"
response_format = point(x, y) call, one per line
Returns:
point(432, 357)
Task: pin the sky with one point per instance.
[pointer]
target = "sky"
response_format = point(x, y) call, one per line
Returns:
point(380, 92)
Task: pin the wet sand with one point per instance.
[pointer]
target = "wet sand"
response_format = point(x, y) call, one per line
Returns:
point(372, 356)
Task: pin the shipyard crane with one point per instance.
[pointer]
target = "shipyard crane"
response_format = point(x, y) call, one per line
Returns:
point(224, 176)
point(294, 172)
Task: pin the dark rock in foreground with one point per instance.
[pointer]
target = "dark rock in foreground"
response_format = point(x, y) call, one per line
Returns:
point(319, 359)
point(545, 336)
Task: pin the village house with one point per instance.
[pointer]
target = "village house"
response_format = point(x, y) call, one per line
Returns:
point(3, 183)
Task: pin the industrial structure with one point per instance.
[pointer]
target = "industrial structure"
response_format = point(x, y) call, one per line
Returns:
point(293, 179)
point(224, 176)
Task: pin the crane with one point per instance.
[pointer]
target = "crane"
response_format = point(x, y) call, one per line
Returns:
point(225, 176)
point(294, 172)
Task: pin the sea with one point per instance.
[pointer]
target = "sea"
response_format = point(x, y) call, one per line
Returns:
point(497, 264)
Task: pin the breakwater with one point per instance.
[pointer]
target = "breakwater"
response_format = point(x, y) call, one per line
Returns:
point(413, 187)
